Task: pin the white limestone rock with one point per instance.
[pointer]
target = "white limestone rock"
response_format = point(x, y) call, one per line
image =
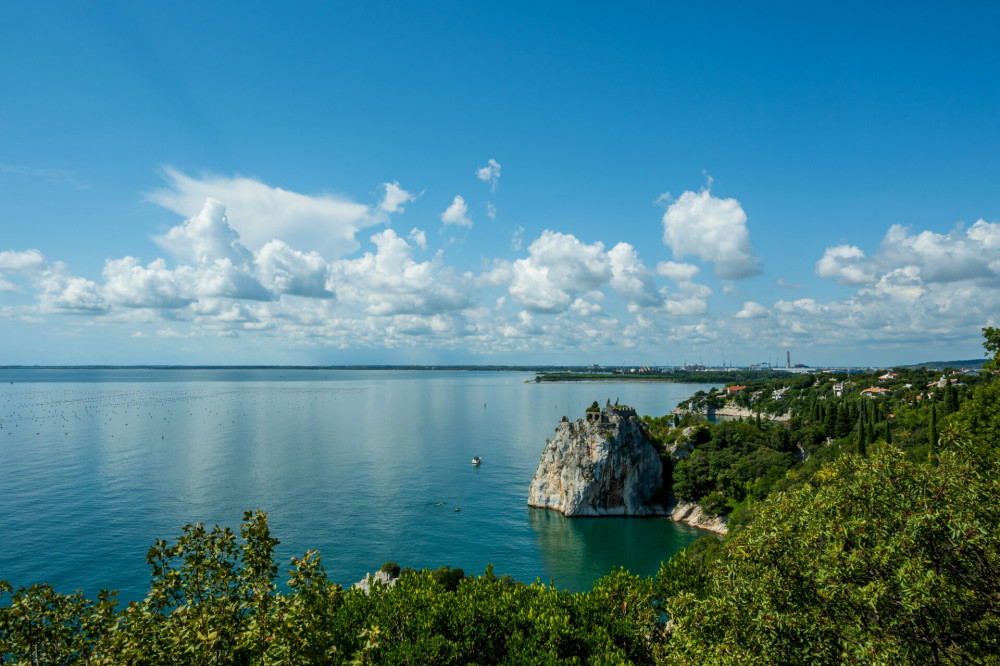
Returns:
point(367, 583)
point(682, 446)
point(694, 515)
point(604, 465)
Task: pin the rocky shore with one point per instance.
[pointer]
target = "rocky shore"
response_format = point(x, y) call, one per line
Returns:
point(729, 411)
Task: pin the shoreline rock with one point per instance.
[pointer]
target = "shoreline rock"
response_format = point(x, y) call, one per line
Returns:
point(691, 513)
point(731, 411)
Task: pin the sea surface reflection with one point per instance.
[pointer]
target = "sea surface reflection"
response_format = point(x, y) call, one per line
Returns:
point(365, 466)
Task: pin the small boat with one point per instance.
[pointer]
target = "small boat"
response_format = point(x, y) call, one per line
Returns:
point(477, 460)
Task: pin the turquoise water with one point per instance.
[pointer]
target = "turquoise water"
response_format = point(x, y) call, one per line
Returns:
point(365, 466)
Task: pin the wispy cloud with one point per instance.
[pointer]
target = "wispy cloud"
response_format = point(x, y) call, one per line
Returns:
point(261, 213)
point(490, 174)
point(57, 176)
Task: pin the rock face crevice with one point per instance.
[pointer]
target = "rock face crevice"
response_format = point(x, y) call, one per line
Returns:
point(603, 465)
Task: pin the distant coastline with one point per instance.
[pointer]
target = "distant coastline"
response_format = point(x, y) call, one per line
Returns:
point(707, 376)
point(484, 368)
point(546, 373)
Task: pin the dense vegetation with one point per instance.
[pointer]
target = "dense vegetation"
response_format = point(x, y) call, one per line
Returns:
point(881, 548)
point(794, 425)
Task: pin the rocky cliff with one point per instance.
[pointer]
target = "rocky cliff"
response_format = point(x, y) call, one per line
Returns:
point(606, 465)
point(602, 465)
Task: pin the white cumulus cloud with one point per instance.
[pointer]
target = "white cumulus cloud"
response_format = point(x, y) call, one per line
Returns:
point(457, 213)
point(61, 292)
point(676, 271)
point(945, 257)
point(205, 237)
point(28, 262)
point(751, 310)
point(394, 197)
point(631, 279)
point(713, 229)
point(390, 282)
point(847, 264)
point(284, 270)
point(557, 267)
point(129, 284)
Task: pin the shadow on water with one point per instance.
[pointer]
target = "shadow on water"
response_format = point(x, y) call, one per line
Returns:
point(577, 551)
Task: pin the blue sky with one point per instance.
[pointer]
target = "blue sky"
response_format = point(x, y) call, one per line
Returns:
point(514, 183)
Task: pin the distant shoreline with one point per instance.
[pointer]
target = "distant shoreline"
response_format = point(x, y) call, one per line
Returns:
point(546, 373)
point(485, 368)
point(673, 377)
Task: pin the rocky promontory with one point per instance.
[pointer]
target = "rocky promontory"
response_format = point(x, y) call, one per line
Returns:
point(606, 464)
point(602, 465)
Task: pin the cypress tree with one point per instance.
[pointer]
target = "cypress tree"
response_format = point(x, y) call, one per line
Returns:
point(830, 421)
point(888, 432)
point(951, 398)
point(934, 436)
point(843, 423)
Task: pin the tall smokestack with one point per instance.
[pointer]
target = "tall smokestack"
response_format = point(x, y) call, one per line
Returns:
point(788, 359)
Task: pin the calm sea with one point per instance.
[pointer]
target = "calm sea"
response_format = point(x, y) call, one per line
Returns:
point(365, 466)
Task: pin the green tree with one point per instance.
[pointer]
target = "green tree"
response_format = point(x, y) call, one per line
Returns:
point(991, 343)
point(845, 570)
point(932, 435)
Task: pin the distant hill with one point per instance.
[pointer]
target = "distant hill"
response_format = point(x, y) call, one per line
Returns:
point(941, 365)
